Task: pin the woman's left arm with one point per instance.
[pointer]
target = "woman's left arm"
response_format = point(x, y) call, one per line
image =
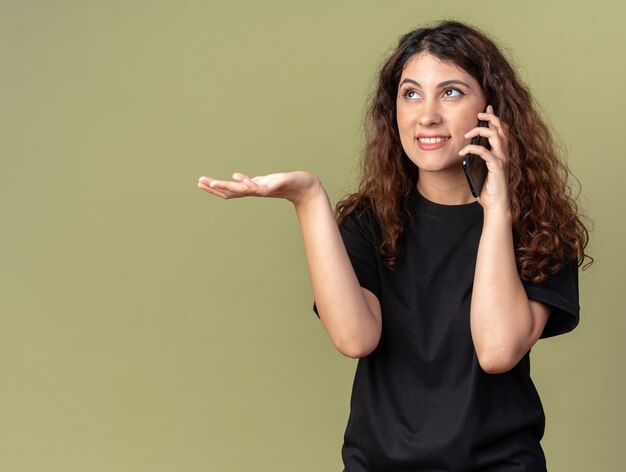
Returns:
point(505, 324)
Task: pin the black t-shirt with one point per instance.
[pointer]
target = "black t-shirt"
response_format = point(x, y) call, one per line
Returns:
point(420, 401)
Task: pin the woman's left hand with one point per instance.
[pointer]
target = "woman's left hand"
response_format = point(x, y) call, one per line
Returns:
point(495, 192)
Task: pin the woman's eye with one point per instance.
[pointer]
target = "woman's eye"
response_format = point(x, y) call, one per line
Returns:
point(452, 92)
point(410, 94)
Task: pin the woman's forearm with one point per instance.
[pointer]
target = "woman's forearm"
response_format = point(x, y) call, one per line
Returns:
point(501, 316)
point(343, 309)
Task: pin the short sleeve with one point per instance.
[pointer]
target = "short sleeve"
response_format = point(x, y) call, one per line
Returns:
point(560, 291)
point(359, 234)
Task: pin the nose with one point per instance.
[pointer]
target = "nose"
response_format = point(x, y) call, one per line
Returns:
point(429, 113)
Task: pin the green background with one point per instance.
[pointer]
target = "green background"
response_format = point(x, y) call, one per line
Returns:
point(148, 326)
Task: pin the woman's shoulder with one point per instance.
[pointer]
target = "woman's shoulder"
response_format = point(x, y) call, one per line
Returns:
point(358, 216)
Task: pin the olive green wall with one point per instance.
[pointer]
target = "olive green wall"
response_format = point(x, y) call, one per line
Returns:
point(148, 326)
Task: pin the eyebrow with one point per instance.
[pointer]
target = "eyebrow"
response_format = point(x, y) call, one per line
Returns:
point(442, 84)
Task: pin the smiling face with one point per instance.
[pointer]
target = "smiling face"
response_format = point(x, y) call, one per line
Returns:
point(437, 104)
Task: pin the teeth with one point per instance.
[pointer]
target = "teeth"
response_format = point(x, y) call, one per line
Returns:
point(432, 140)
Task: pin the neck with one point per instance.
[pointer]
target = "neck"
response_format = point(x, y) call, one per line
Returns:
point(449, 189)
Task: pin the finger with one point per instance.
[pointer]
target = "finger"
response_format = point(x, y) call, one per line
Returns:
point(246, 180)
point(250, 184)
point(495, 139)
point(494, 164)
point(205, 183)
point(224, 186)
point(494, 121)
point(213, 191)
point(481, 151)
point(209, 182)
point(488, 113)
point(481, 131)
point(205, 180)
point(239, 176)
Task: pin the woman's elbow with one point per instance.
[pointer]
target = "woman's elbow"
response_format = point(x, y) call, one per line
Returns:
point(356, 349)
point(354, 353)
point(497, 361)
point(495, 366)
point(499, 355)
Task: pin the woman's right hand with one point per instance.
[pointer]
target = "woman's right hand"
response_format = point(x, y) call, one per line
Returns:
point(293, 186)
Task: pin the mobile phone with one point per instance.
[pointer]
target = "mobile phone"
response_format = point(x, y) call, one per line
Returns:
point(474, 166)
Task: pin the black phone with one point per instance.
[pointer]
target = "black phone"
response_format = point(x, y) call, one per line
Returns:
point(474, 166)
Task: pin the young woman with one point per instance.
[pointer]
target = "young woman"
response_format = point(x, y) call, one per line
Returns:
point(439, 294)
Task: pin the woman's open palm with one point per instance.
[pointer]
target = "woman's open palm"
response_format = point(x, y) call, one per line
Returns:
point(289, 185)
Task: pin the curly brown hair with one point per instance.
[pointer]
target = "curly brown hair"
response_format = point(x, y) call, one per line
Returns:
point(547, 227)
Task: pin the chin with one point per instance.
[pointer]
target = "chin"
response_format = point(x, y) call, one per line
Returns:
point(437, 165)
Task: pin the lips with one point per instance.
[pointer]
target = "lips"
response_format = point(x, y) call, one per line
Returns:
point(429, 143)
point(433, 140)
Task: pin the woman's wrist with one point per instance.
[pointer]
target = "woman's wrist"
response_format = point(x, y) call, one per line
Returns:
point(311, 190)
point(498, 216)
